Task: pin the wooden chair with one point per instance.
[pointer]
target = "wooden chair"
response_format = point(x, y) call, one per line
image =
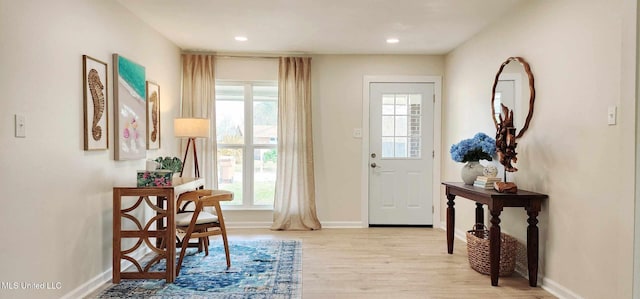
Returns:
point(201, 224)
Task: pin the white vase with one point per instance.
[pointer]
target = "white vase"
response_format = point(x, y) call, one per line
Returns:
point(471, 171)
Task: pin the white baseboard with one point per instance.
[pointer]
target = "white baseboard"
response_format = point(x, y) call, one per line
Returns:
point(248, 224)
point(558, 290)
point(457, 233)
point(90, 286)
point(344, 224)
point(105, 277)
point(325, 224)
point(440, 225)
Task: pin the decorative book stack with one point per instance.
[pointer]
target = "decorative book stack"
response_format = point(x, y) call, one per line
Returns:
point(485, 182)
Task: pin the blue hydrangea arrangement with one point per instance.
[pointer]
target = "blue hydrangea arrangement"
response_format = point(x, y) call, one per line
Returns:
point(480, 147)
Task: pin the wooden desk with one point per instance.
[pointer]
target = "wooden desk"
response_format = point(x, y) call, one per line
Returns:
point(530, 201)
point(143, 233)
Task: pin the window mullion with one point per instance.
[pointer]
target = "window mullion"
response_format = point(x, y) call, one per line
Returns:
point(248, 153)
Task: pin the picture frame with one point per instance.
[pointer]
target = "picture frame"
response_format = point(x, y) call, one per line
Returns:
point(130, 109)
point(95, 104)
point(153, 115)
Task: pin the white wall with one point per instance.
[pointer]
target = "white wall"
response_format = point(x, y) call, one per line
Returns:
point(582, 54)
point(246, 68)
point(56, 210)
point(337, 110)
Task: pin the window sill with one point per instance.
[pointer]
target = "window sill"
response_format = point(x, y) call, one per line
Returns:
point(247, 208)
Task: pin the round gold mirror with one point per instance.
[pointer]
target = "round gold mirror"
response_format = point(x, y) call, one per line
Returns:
point(510, 90)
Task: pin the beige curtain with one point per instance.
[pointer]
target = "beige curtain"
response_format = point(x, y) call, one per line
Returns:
point(295, 205)
point(198, 96)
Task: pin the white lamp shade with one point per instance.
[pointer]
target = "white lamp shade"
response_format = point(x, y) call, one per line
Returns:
point(191, 127)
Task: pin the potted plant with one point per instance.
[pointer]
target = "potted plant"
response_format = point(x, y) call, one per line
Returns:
point(170, 163)
point(471, 151)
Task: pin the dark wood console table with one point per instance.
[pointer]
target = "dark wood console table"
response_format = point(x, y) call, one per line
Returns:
point(530, 201)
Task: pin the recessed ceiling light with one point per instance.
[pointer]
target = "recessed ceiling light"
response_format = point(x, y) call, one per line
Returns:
point(241, 38)
point(392, 40)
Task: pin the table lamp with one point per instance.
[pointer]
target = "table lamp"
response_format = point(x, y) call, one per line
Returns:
point(191, 128)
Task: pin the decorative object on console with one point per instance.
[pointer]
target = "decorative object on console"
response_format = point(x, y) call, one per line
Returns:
point(480, 147)
point(191, 128)
point(96, 124)
point(152, 165)
point(471, 171)
point(169, 163)
point(508, 187)
point(154, 178)
point(506, 142)
point(153, 115)
point(485, 182)
point(130, 116)
point(490, 171)
point(511, 108)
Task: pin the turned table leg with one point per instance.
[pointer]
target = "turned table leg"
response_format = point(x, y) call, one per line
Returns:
point(479, 213)
point(532, 246)
point(494, 246)
point(451, 222)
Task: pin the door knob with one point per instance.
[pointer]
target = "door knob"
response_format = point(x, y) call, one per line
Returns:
point(373, 165)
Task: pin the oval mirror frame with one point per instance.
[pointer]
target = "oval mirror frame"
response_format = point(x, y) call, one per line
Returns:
point(532, 93)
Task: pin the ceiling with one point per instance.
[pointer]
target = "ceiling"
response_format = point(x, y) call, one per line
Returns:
point(319, 26)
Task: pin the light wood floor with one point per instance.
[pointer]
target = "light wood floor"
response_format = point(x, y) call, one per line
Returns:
point(396, 263)
point(390, 263)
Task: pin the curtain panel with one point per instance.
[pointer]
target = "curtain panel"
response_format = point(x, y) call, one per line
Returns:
point(294, 203)
point(198, 96)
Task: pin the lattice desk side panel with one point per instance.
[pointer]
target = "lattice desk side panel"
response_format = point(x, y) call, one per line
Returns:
point(143, 245)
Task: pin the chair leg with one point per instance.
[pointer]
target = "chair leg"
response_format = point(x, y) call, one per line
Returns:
point(183, 251)
point(226, 248)
point(162, 243)
point(205, 242)
point(199, 245)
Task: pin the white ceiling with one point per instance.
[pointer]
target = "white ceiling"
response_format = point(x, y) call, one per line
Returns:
point(319, 26)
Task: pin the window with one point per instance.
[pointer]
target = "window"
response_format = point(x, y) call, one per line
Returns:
point(247, 137)
point(497, 105)
point(401, 137)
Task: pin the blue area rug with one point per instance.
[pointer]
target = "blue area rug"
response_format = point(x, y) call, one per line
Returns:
point(259, 269)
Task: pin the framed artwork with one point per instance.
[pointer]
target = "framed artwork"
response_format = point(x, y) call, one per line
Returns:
point(96, 124)
point(153, 115)
point(130, 109)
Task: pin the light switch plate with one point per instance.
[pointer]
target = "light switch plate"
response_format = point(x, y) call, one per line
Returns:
point(611, 115)
point(21, 130)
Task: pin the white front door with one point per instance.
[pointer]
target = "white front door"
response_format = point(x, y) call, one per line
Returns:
point(401, 153)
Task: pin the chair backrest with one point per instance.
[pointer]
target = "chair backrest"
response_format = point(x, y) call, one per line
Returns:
point(189, 198)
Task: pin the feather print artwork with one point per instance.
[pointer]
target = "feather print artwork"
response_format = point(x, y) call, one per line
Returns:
point(154, 115)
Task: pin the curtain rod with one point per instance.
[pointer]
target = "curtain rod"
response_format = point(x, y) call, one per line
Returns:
point(253, 57)
point(224, 55)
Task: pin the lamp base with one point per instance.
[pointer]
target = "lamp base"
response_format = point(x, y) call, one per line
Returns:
point(195, 157)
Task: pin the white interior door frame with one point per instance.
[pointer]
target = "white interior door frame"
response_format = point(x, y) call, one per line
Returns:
point(437, 146)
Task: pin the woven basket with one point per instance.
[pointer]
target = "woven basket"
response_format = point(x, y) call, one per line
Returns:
point(478, 251)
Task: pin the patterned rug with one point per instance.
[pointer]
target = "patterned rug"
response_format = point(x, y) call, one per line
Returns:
point(259, 269)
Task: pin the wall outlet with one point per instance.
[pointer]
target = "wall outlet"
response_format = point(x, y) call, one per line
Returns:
point(357, 133)
point(21, 130)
